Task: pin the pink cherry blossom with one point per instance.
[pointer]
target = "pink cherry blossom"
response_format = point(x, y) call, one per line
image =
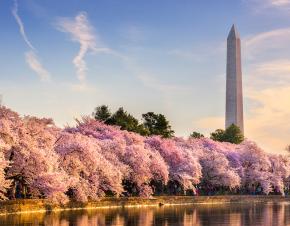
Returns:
point(92, 160)
point(4, 183)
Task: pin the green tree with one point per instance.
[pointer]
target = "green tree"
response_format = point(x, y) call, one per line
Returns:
point(126, 122)
point(102, 113)
point(157, 124)
point(232, 134)
point(196, 135)
point(218, 135)
point(154, 124)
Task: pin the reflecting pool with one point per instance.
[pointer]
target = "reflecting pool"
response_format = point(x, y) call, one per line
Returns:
point(254, 214)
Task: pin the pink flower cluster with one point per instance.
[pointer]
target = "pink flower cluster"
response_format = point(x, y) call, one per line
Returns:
point(92, 160)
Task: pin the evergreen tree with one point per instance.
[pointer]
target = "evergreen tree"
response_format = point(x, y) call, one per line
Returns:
point(196, 135)
point(218, 135)
point(126, 121)
point(232, 134)
point(102, 113)
point(157, 124)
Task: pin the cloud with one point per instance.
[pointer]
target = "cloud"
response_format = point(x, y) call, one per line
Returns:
point(268, 123)
point(261, 6)
point(20, 24)
point(82, 32)
point(266, 74)
point(275, 68)
point(269, 35)
point(34, 63)
point(275, 40)
point(267, 89)
point(280, 3)
point(31, 57)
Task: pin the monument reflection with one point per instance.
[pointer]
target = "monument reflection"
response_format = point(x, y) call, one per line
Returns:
point(262, 214)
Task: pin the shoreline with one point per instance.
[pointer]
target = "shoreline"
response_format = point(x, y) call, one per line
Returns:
point(22, 206)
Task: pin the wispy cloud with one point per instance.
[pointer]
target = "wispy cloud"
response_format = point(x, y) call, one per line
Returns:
point(280, 3)
point(260, 6)
point(260, 38)
point(275, 40)
point(267, 59)
point(267, 74)
point(30, 56)
point(36, 66)
point(20, 24)
point(82, 32)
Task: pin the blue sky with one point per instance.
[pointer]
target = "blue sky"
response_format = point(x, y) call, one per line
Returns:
point(165, 56)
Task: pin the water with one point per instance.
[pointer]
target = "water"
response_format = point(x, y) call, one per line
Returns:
point(261, 214)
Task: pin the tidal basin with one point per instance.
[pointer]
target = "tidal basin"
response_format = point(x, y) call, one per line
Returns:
point(233, 214)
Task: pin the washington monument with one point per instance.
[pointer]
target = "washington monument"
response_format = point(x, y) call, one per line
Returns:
point(234, 90)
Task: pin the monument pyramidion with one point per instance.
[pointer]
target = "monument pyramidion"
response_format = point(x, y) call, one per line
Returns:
point(234, 89)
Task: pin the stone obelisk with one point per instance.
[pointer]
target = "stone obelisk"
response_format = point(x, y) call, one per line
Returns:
point(234, 89)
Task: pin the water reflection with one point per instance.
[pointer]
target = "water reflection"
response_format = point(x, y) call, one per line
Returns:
point(262, 214)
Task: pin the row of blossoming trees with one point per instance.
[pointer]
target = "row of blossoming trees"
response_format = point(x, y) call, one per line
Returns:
point(92, 160)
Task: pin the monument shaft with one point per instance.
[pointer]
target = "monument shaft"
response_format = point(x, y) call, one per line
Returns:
point(234, 90)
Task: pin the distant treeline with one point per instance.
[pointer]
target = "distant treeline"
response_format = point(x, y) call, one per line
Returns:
point(157, 124)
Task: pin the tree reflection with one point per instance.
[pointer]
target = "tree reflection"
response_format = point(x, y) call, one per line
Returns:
point(258, 214)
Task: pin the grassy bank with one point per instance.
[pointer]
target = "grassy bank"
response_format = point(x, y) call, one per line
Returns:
point(41, 205)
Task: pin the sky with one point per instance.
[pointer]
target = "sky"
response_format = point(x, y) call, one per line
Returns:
point(61, 59)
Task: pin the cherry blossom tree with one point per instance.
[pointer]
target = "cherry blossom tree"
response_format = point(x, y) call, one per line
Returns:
point(183, 168)
point(28, 145)
point(4, 183)
point(256, 167)
point(92, 160)
point(139, 165)
point(280, 168)
point(216, 170)
point(92, 173)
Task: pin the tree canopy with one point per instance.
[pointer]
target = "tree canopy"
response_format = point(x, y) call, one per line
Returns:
point(102, 113)
point(195, 134)
point(126, 121)
point(232, 134)
point(153, 124)
point(157, 124)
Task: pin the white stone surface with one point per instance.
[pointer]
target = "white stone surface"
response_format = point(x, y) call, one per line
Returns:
point(234, 87)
